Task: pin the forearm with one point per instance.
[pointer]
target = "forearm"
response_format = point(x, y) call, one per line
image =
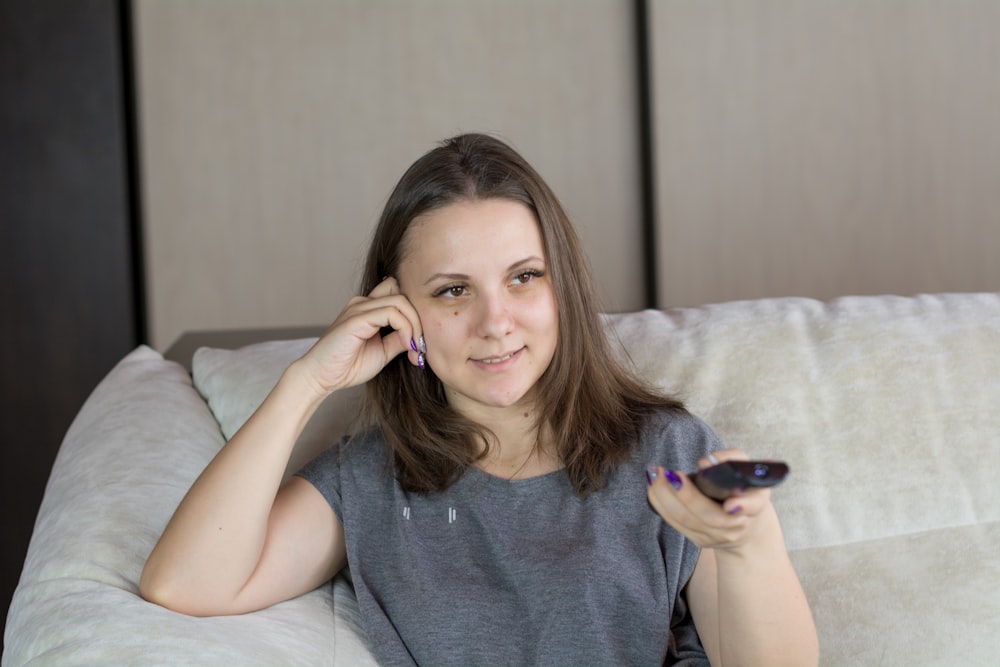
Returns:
point(214, 541)
point(763, 615)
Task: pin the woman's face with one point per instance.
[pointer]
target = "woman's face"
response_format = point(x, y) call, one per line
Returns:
point(476, 273)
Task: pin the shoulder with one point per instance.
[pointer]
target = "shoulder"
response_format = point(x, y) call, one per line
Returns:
point(677, 439)
point(357, 461)
point(676, 422)
point(366, 449)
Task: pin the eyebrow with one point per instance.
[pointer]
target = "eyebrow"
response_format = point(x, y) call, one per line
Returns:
point(462, 276)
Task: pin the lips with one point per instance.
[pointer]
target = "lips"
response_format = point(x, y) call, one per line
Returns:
point(490, 361)
point(497, 360)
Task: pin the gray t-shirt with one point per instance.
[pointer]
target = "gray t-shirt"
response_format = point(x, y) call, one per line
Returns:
point(525, 572)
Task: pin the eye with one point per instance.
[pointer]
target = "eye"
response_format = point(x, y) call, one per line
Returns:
point(525, 277)
point(451, 290)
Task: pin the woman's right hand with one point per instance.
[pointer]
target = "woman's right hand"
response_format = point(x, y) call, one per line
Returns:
point(352, 351)
point(241, 541)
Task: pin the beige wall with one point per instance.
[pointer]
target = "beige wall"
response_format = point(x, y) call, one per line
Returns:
point(810, 147)
point(823, 148)
point(272, 133)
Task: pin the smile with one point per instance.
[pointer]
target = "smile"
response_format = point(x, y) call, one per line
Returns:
point(497, 360)
point(489, 361)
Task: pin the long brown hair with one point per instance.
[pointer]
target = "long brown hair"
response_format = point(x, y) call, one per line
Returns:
point(592, 406)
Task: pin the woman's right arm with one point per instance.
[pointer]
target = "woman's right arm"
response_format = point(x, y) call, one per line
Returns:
point(240, 540)
point(238, 543)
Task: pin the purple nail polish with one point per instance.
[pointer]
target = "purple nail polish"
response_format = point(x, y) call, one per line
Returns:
point(650, 474)
point(674, 480)
point(421, 361)
point(735, 510)
point(413, 346)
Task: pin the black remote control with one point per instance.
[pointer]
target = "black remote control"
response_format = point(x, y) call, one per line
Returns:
point(723, 479)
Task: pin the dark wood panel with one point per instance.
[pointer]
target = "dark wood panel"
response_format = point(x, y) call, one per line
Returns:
point(66, 273)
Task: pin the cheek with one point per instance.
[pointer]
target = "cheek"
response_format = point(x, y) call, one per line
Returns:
point(544, 312)
point(445, 329)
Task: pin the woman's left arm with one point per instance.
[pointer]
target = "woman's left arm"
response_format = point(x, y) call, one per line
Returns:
point(745, 598)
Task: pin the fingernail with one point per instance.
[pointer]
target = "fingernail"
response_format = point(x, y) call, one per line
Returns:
point(650, 474)
point(735, 510)
point(423, 346)
point(421, 361)
point(413, 346)
point(674, 480)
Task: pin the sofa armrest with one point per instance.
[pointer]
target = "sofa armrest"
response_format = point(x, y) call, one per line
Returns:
point(132, 452)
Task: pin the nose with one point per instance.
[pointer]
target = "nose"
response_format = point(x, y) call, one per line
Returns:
point(495, 319)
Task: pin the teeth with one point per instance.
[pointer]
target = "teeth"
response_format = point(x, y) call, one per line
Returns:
point(498, 360)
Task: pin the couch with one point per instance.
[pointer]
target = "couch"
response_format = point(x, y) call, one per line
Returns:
point(886, 408)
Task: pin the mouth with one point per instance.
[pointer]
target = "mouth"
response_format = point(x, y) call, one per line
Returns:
point(491, 361)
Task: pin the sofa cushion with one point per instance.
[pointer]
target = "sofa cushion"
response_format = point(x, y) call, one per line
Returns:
point(885, 407)
point(134, 449)
point(236, 382)
point(922, 599)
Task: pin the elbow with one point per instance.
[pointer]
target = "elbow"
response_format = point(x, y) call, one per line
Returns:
point(150, 588)
point(154, 589)
point(161, 590)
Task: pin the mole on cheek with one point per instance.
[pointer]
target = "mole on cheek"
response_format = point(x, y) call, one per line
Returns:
point(455, 313)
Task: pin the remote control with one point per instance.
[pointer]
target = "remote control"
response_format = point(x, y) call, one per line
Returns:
point(722, 480)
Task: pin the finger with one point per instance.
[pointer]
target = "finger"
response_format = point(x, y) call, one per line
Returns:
point(404, 319)
point(700, 519)
point(398, 314)
point(717, 457)
point(666, 497)
point(387, 287)
point(385, 294)
point(749, 502)
point(409, 332)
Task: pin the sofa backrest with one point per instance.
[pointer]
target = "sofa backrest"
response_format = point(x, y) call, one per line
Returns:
point(886, 408)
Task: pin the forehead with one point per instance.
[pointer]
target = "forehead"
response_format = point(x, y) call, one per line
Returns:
point(472, 232)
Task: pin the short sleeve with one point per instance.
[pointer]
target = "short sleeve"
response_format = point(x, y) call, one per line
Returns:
point(685, 646)
point(323, 472)
point(676, 441)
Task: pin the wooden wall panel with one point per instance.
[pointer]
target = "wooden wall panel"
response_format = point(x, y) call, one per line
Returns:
point(824, 148)
point(66, 276)
point(273, 132)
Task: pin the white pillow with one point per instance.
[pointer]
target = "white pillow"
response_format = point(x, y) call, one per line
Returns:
point(135, 447)
point(236, 382)
point(878, 403)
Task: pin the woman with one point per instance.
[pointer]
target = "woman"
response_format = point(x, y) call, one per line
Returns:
point(499, 508)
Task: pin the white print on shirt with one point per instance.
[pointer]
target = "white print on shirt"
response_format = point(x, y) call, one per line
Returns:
point(452, 514)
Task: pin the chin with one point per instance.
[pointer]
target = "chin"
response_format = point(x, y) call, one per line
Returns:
point(508, 400)
point(499, 398)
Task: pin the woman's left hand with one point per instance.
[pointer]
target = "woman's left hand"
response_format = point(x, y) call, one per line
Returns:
point(731, 525)
point(745, 598)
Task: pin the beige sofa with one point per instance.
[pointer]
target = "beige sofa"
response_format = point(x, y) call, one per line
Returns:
point(886, 408)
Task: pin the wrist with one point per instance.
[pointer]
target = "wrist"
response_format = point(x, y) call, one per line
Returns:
point(764, 542)
point(298, 383)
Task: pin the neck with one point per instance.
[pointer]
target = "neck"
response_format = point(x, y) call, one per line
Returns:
point(518, 449)
point(520, 453)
